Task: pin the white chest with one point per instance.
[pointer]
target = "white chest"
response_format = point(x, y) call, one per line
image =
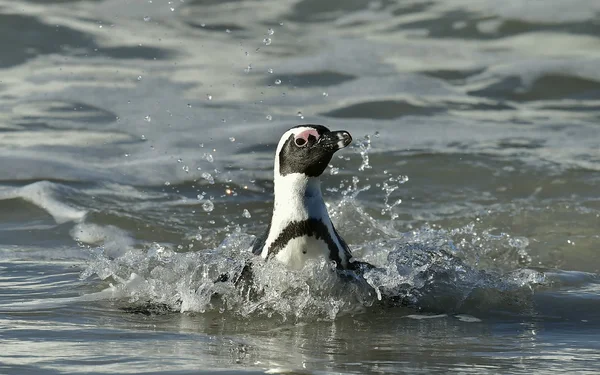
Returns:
point(298, 250)
point(300, 227)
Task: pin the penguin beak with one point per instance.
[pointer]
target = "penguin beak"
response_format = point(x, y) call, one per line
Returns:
point(336, 140)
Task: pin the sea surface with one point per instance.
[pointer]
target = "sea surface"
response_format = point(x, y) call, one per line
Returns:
point(136, 151)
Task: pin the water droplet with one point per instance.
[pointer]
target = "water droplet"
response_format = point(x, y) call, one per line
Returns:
point(270, 31)
point(147, 18)
point(208, 97)
point(246, 214)
point(270, 70)
point(208, 157)
point(269, 117)
point(198, 237)
point(167, 183)
point(334, 170)
point(189, 105)
point(202, 25)
point(143, 137)
point(179, 160)
point(223, 120)
point(278, 82)
point(139, 78)
point(126, 155)
point(227, 31)
point(208, 206)
point(186, 169)
point(231, 139)
point(208, 177)
point(325, 94)
point(148, 118)
point(300, 115)
point(172, 9)
point(280, 23)
point(100, 26)
point(247, 53)
point(248, 68)
point(267, 41)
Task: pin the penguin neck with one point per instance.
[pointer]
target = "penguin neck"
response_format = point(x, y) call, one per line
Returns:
point(298, 197)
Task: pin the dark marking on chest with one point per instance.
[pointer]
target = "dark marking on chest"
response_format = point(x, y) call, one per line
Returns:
point(311, 228)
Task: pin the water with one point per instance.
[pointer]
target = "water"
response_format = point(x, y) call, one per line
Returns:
point(137, 140)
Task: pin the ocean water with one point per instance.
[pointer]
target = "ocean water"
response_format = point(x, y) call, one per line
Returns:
point(136, 151)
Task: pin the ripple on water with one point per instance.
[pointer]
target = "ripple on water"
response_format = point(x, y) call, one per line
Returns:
point(546, 87)
point(384, 109)
point(312, 79)
point(31, 38)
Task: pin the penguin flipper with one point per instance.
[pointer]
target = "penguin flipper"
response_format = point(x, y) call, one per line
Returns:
point(353, 265)
point(246, 275)
point(259, 242)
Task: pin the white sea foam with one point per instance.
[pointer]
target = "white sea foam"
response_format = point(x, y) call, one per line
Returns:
point(43, 195)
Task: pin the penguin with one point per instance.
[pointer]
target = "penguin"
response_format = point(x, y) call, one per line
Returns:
point(300, 226)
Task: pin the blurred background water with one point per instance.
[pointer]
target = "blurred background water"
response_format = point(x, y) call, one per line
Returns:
point(136, 147)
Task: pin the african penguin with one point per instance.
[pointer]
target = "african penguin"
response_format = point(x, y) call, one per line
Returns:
point(300, 227)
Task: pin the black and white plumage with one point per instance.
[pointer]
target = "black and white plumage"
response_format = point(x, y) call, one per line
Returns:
point(300, 227)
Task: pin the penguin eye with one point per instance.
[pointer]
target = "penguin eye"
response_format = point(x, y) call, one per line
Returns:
point(305, 137)
point(300, 142)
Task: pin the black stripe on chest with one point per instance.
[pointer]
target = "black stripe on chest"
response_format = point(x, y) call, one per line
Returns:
point(310, 227)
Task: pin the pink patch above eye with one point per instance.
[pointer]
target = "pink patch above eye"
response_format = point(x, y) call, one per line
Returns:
point(305, 135)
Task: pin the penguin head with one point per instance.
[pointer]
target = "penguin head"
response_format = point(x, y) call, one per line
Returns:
point(308, 149)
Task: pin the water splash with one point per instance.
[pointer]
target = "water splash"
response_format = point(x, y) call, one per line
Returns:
point(430, 269)
point(364, 146)
point(389, 186)
point(469, 269)
point(420, 270)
